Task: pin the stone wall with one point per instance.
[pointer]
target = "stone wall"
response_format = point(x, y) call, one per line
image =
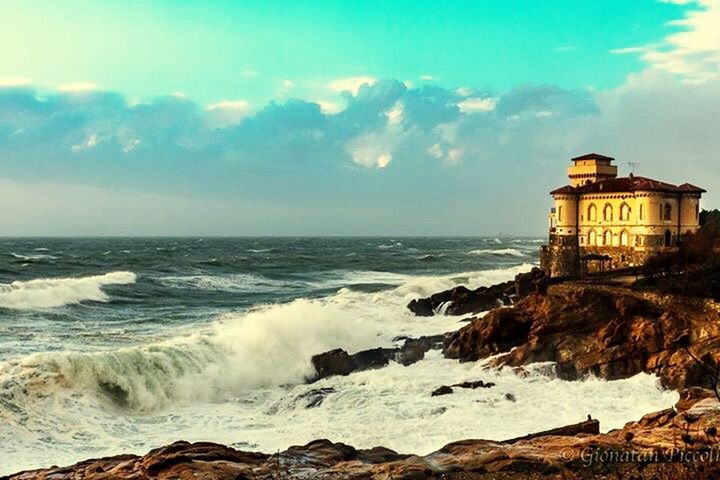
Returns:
point(560, 261)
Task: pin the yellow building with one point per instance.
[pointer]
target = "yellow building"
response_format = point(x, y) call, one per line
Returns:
point(623, 219)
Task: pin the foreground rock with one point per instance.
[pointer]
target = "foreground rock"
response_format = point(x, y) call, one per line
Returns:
point(461, 300)
point(610, 332)
point(340, 362)
point(672, 443)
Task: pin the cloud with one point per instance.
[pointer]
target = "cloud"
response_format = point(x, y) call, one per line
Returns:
point(693, 53)
point(10, 82)
point(351, 84)
point(473, 105)
point(565, 48)
point(427, 78)
point(78, 87)
point(389, 143)
point(227, 112)
point(248, 74)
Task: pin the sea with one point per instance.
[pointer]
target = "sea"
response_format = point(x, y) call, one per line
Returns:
point(121, 345)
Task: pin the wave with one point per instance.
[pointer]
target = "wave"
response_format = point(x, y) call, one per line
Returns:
point(33, 257)
point(237, 282)
point(241, 352)
point(58, 292)
point(270, 346)
point(510, 252)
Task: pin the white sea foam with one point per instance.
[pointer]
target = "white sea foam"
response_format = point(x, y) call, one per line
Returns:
point(240, 381)
point(391, 407)
point(57, 292)
point(34, 257)
point(511, 252)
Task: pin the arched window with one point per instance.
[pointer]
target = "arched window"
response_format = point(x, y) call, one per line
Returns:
point(592, 238)
point(624, 238)
point(642, 212)
point(608, 213)
point(592, 213)
point(560, 219)
point(607, 238)
point(668, 212)
point(624, 212)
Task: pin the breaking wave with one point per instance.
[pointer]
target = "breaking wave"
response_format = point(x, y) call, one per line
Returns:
point(510, 252)
point(58, 292)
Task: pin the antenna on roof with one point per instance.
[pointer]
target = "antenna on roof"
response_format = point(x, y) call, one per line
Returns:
point(632, 166)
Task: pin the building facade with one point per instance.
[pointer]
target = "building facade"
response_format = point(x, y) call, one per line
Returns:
point(624, 220)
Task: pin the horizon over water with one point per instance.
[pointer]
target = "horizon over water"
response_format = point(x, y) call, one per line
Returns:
point(115, 345)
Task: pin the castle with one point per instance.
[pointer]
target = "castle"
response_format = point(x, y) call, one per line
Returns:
point(603, 221)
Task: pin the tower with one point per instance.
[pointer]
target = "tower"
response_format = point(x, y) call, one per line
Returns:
point(591, 168)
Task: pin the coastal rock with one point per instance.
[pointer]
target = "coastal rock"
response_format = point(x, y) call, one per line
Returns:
point(461, 300)
point(447, 389)
point(671, 444)
point(340, 362)
point(610, 332)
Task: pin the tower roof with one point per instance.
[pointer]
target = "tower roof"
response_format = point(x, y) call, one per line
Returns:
point(593, 156)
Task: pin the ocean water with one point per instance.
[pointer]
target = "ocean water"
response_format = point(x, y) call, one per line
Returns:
point(122, 345)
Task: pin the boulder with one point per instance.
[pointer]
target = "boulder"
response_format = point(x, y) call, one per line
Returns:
point(461, 300)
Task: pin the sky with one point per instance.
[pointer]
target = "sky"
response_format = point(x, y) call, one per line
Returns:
point(342, 117)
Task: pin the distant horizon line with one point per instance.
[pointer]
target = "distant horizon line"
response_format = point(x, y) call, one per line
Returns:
point(194, 236)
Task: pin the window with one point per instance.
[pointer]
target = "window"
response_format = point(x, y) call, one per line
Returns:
point(592, 238)
point(607, 238)
point(625, 212)
point(608, 213)
point(668, 238)
point(624, 238)
point(667, 212)
point(697, 211)
point(559, 213)
point(642, 212)
point(592, 213)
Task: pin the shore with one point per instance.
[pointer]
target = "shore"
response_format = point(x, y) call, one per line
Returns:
point(609, 332)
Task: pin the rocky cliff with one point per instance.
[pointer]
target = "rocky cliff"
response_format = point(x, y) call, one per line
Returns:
point(610, 332)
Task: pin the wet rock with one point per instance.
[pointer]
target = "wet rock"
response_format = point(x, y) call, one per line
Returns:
point(334, 362)
point(510, 397)
point(340, 362)
point(461, 300)
point(315, 397)
point(444, 390)
point(474, 384)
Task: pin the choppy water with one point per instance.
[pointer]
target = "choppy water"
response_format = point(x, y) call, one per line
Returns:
point(121, 345)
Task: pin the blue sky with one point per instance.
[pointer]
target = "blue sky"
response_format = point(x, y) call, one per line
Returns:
point(374, 117)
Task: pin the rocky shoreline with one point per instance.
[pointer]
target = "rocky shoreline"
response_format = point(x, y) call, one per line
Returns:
point(584, 329)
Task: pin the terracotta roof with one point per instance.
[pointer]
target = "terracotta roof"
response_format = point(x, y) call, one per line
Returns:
point(592, 156)
point(628, 184)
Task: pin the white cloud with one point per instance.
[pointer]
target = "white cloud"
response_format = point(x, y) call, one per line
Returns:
point(427, 78)
point(351, 84)
point(78, 87)
point(384, 160)
point(329, 108)
point(692, 53)
point(565, 48)
point(227, 112)
point(9, 82)
point(248, 74)
point(90, 141)
point(628, 50)
point(464, 91)
point(477, 104)
point(130, 145)
point(396, 114)
point(288, 84)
